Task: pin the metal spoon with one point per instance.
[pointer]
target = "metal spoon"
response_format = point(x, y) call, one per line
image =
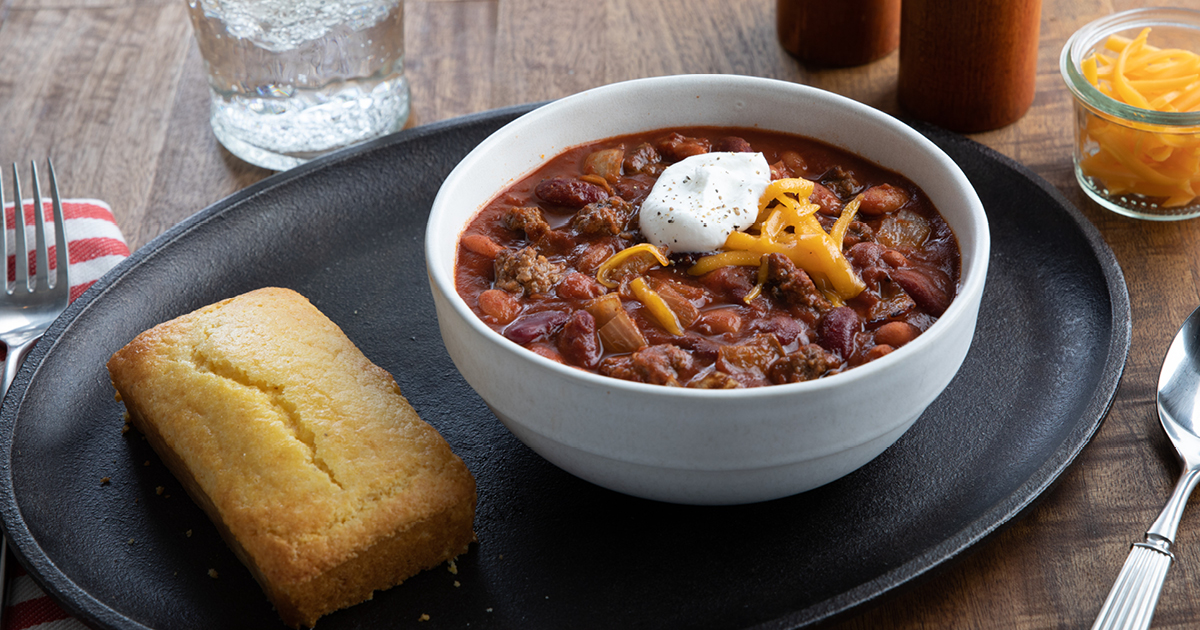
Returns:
point(1131, 602)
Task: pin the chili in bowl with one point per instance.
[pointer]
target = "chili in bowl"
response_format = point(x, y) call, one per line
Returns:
point(736, 290)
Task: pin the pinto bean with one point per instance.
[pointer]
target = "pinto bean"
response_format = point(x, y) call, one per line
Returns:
point(824, 197)
point(594, 256)
point(794, 162)
point(499, 304)
point(837, 330)
point(578, 341)
point(865, 254)
point(535, 326)
point(894, 258)
point(882, 199)
point(896, 334)
point(481, 244)
point(719, 321)
point(676, 146)
point(578, 286)
point(878, 351)
point(566, 191)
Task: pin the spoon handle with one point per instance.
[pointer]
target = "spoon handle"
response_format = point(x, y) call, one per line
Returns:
point(1130, 604)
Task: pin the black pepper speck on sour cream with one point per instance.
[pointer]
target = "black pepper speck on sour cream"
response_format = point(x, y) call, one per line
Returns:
point(699, 201)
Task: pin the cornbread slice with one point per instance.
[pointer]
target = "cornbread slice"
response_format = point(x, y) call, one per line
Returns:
point(314, 467)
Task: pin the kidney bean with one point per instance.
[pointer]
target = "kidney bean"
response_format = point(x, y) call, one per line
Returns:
point(882, 199)
point(535, 326)
point(578, 341)
point(786, 329)
point(924, 291)
point(896, 334)
point(837, 330)
point(578, 286)
point(732, 144)
point(499, 304)
point(569, 192)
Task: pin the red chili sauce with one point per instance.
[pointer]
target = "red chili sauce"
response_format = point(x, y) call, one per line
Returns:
point(527, 266)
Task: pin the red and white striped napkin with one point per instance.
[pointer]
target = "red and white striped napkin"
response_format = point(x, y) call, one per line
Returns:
point(94, 241)
point(95, 245)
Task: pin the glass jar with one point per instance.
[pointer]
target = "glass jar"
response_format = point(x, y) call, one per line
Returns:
point(1135, 161)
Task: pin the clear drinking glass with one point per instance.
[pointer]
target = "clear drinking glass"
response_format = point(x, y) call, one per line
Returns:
point(1137, 162)
point(295, 79)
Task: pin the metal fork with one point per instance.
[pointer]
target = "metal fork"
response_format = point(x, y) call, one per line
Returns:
point(29, 307)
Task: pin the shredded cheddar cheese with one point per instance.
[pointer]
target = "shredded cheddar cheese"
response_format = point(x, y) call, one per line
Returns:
point(1140, 158)
point(657, 306)
point(629, 262)
point(787, 225)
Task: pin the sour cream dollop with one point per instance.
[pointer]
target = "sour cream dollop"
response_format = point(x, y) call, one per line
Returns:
point(699, 201)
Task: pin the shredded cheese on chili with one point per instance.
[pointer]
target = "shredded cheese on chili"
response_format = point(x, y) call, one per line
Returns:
point(1139, 158)
point(787, 225)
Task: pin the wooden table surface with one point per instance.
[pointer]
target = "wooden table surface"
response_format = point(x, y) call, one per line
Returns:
point(114, 91)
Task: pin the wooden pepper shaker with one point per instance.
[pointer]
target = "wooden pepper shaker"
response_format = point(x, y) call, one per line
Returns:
point(839, 33)
point(968, 65)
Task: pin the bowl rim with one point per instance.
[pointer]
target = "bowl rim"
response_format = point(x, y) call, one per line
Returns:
point(1088, 36)
point(964, 304)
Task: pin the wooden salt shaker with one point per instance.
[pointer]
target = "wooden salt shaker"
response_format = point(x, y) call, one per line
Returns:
point(839, 33)
point(968, 65)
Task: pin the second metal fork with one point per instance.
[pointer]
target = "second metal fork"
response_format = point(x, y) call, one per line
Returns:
point(34, 302)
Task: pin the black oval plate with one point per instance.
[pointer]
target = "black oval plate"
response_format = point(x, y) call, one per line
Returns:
point(553, 551)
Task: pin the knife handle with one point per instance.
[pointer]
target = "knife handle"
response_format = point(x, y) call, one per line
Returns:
point(1130, 604)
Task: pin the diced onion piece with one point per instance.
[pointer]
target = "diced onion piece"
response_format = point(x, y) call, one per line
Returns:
point(629, 262)
point(683, 307)
point(605, 163)
point(618, 333)
point(657, 307)
point(604, 308)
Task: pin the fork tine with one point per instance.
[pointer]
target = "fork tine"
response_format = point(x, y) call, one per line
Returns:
point(21, 251)
point(42, 264)
point(62, 259)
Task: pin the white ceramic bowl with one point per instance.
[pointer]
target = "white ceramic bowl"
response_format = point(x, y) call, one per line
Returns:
point(688, 445)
